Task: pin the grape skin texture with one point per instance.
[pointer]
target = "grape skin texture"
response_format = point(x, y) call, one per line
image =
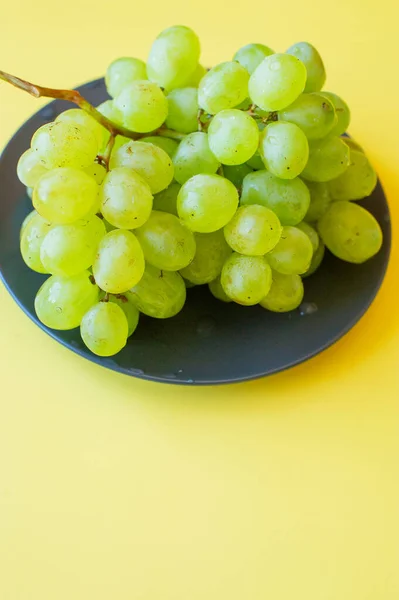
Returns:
point(315, 71)
point(350, 232)
point(206, 203)
point(320, 200)
point(131, 313)
point(62, 144)
point(357, 182)
point(211, 252)
point(251, 55)
point(104, 329)
point(193, 157)
point(215, 287)
point(78, 116)
point(33, 233)
point(159, 294)
point(341, 110)
point(284, 149)
point(61, 302)
point(123, 71)
point(126, 199)
point(285, 294)
point(166, 243)
point(233, 137)
point(311, 233)
point(293, 253)
point(167, 145)
point(183, 110)
point(328, 159)
point(246, 279)
point(254, 230)
point(30, 168)
point(317, 259)
point(236, 174)
point(143, 106)
point(313, 113)
point(166, 200)
point(224, 86)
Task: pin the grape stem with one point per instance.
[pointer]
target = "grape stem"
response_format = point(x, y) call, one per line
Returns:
point(104, 158)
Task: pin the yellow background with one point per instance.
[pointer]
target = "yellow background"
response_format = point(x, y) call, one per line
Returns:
point(281, 489)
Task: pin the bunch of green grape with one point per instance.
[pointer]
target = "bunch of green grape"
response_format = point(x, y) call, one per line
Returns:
point(239, 179)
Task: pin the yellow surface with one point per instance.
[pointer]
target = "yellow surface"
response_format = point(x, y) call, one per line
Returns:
point(281, 489)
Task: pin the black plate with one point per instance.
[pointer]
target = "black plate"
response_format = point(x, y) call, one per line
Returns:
point(209, 342)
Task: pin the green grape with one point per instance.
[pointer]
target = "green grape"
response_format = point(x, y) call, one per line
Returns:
point(97, 171)
point(316, 74)
point(62, 302)
point(328, 159)
point(63, 144)
point(254, 230)
point(246, 279)
point(215, 287)
point(148, 160)
point(277, 82)
point(166, 200)
point(311, 233)
point(353, 145)
point(119, 263)
point(341, 110)
point(236, 174)
point(285, 294)
point(166, 243)
point(224, 86)
point(120, 141)
point(30, 168)
point(159, 294)
point(255, 162)
point(173, 57)
point(358, 181)
point(29, 192)
point(26, 222)
point(195, 78)
point(166, 144)
point(34, 230)
point(131, 313)
point(109, 110)
point(288, 198)
point(126, 199)
point(183, 110)
point(143, 105)
point(123, 71)
point(251, 55)
point(320, 200)
point(78, 116)
point(211, 252)
point(284, 149)
point(65, 195)
point(108, 226)
point(206, 203)
point(70, 249)
point(293, 253)
point(317, 259)
point(350, 232)
point(104, 329)
point(189, 284)
point(313, 113)
point(233, 137)
point(193, 157)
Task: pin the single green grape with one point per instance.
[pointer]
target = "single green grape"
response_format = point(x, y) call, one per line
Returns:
point(317, 259)
point(293, 253)
point(62, 144)
point(288, 198)
point(30, 168)
point(159, 294)
point(315, 71)
point(189, 284)
point(148, 160)
point(97, 171)
point(29, 192)
point(183, 110)
point(119, 263)
point(26, 222)
point(195, 78)
point(215, 287)
point(246, 279)
point(320, 200)
point(104, 329)
point(254, 230)
point(251, 55)
point(61, 302)
point(236, 174)
point(311, 233)
point(166, 200)
point(194, 157)
point(173, 57)
point(123, 71)
point(211, 252)
point(357, 182)
point(341, 110)
point(78, 116)
point(34, 230)
point(206, 203)
point(233, 137)
point(65, 195)
point(126, 199)
point(353, 145)
point(166, 144)
point(284, 149)
point(314, 113)
point(143, 105)
point(255, 162)
point(70, 249)
point(277, 82)
point(224, 86)
point(286, 293)
point(328, 159)
point(350, 232)
point(131, 312)
point(109, 110)
point(166, 243)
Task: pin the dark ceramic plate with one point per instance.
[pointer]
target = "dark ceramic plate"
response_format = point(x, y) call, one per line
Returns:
point(209, 342)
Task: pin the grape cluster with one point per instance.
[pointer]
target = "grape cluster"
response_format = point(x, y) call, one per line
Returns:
point(239, 179)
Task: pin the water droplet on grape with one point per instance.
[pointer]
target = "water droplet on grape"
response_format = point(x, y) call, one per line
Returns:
point(307, 308)
point(275, 65)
